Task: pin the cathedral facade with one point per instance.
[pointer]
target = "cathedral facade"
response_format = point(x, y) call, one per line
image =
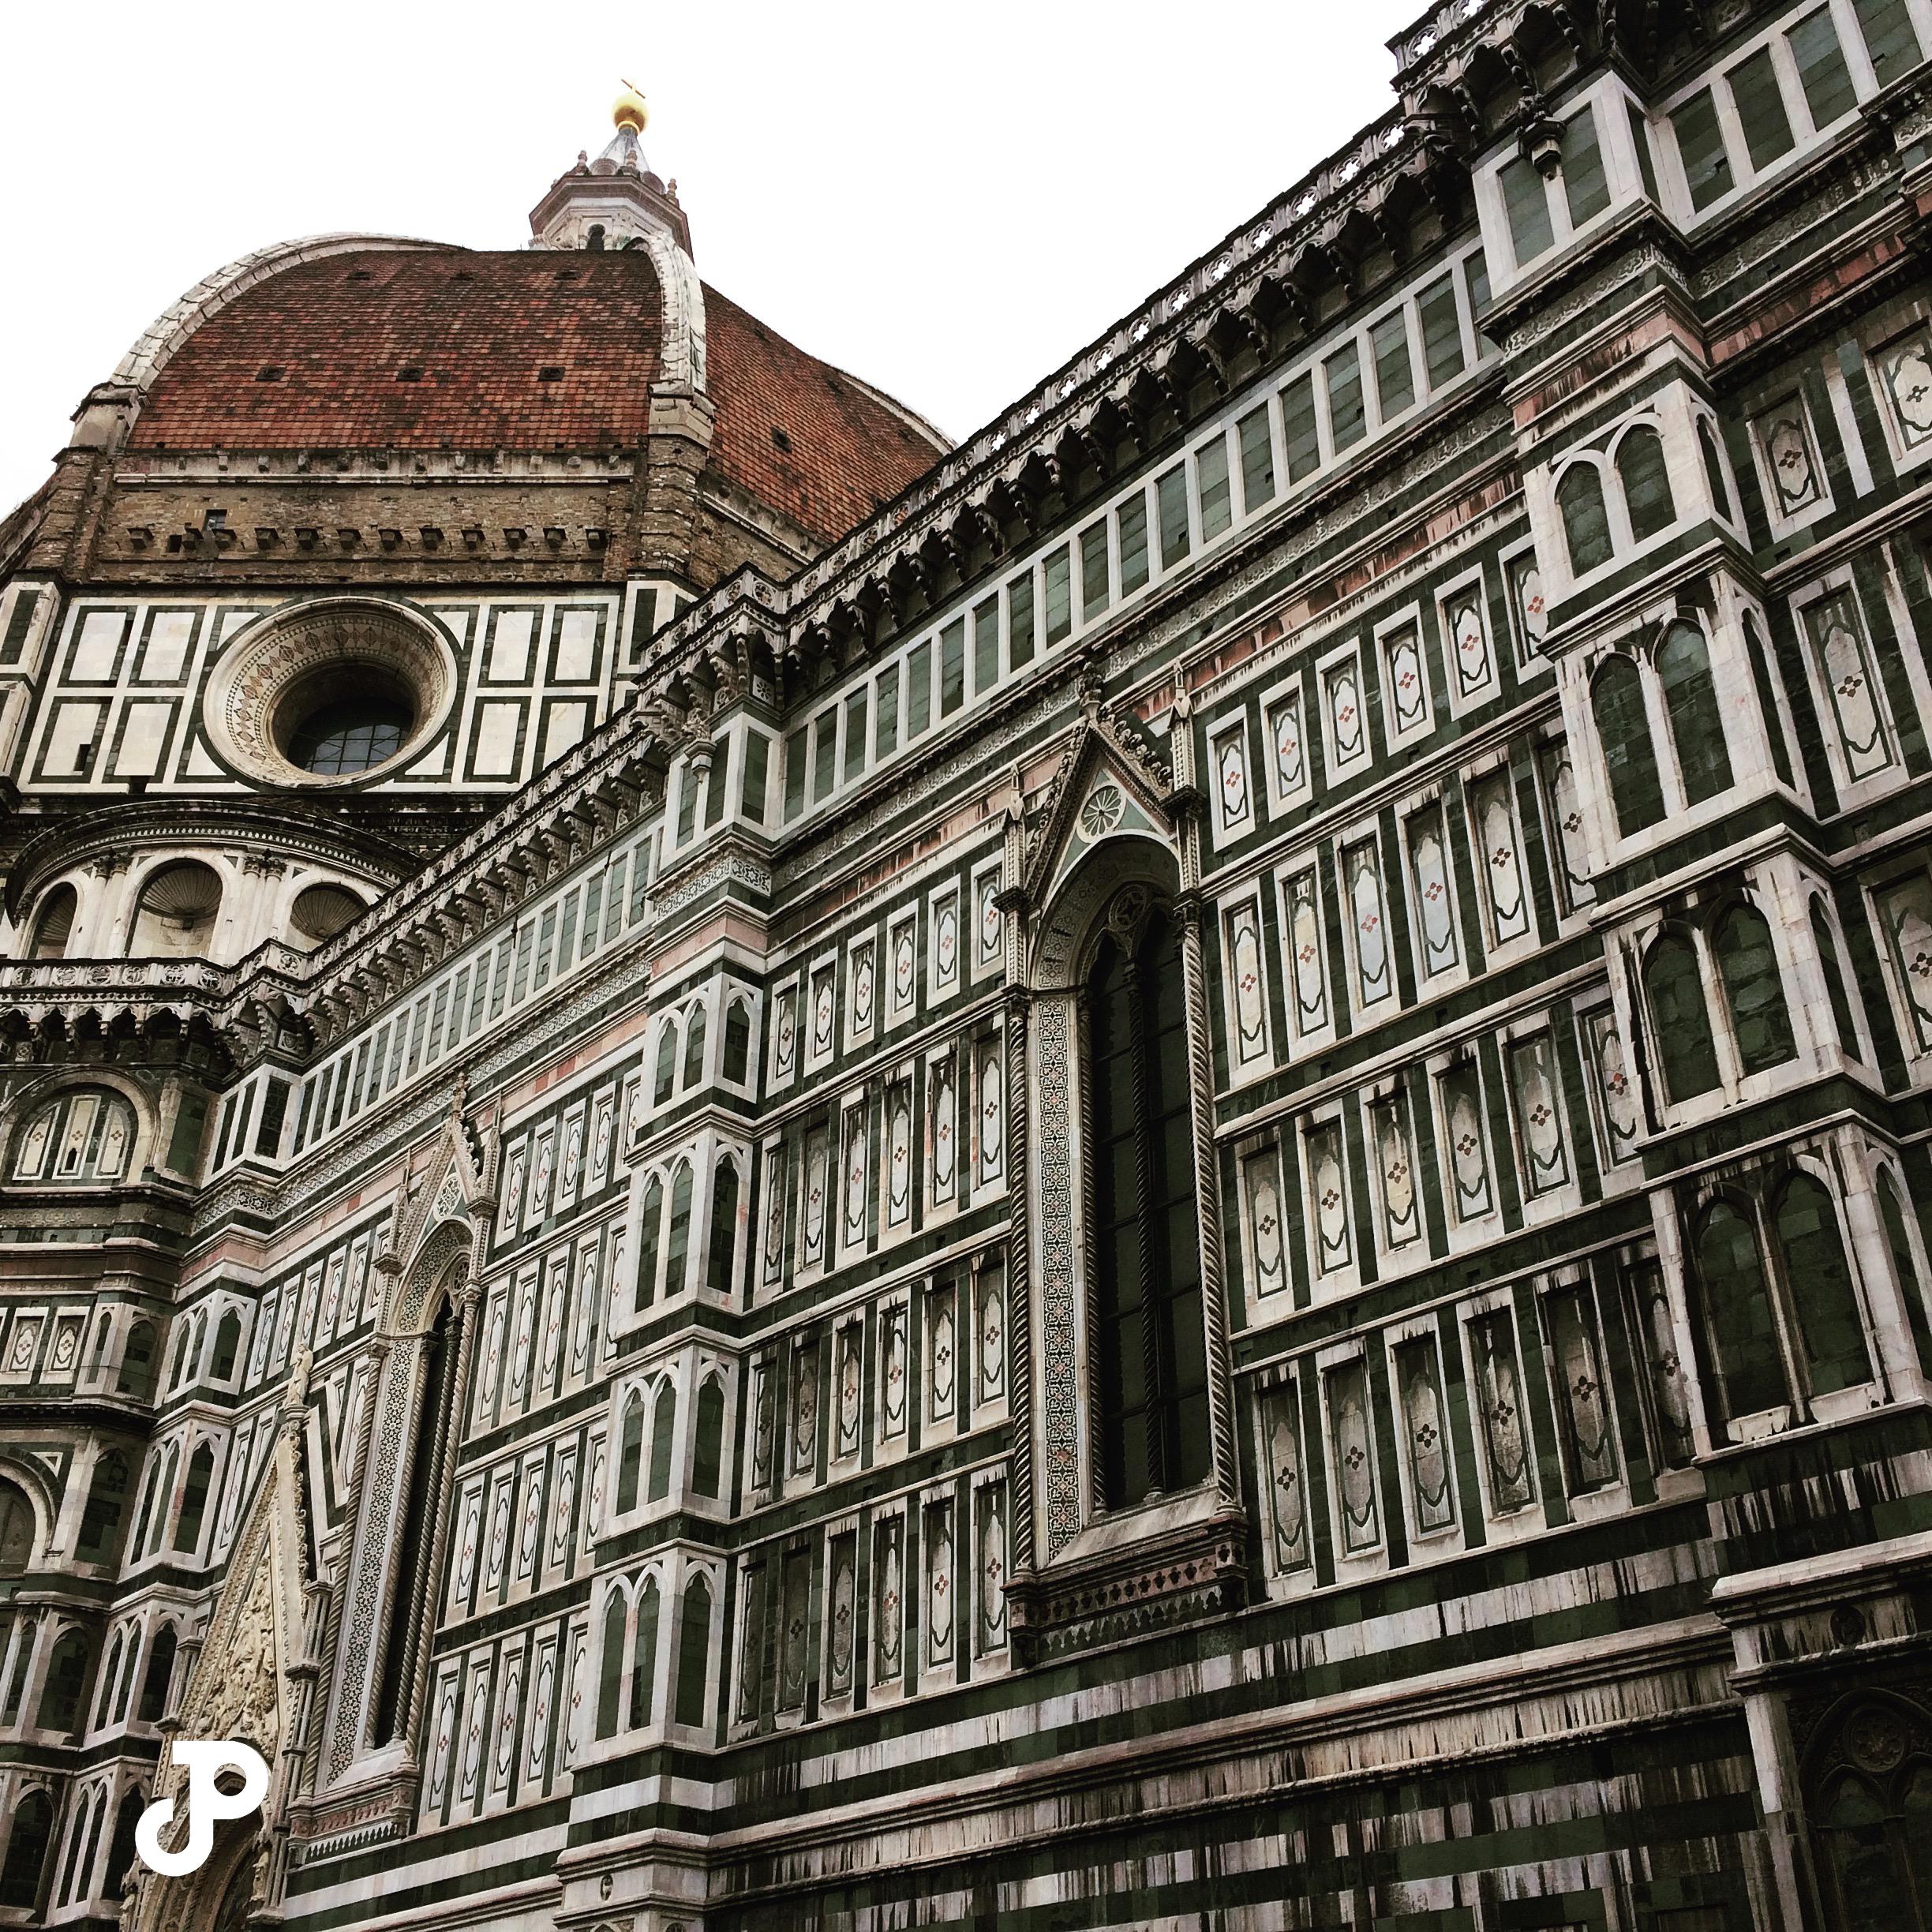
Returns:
point(1171, 1169)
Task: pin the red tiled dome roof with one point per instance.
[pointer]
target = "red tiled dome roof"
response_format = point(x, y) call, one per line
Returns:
point(531, 349)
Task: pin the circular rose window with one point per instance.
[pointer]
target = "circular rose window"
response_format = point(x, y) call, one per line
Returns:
point(331, 693)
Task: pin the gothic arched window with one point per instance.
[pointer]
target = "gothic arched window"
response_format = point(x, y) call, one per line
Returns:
point(664, 1435)
point(610, 1675)
point(1645, 478)
point(1587, 523)
point(718, 1268)
point(1820, 1277)
point(1679, 1020)
point(1714, 467)
point(66, 1677)
point(677, 1247)
point(708, 1450)
point(695, 1050)
point(647, 1244)
point(194, 1499)
point(106, 1702)
point(153, 1704)
point(1623, 731)
point(666, 1064)
point(1836, 988)
point(227, 1343)
point(137, 1362)
point(1743, 1331)
point(630, 1453)
point(1152, 1407)
point(644, 1655)
point(106, 1499)
point(693, 1652)
point(1760, 1019)
point(121, 1847)
point(16, 1530)
point(1690, 701)
point(1873, 1829)
point(27, 1849)
point(737, 1041)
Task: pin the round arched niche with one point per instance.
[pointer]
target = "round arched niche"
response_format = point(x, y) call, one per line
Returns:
point(331, 694)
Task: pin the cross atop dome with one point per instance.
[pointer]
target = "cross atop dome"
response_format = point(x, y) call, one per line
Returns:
point(615, 201)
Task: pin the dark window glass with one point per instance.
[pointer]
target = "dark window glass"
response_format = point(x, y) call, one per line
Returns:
point(1640, 137)
point(918, 689)
point(121, 1847)
point(1743, 1333)
point(719, 1264)
point(648, 1237)
point(610, 1675)
point(737, 1041)
point(60, 1697)
point(695, 1050)
point(1257, 457)
point(666, 1064)
point(1759, 1017)
point(227, 1340)
point(986, 634)
point(630, 1454)
point(794, 762)
point(952, 666)
point(1714, 467)
point(885, 718)
point(100, 1520)
point(1348, 416)
point(137, 1362)
point(352, 735)
point(825, 754)
point(1821, 71)
point(1153, 1383)
point(677, 1246)
point(1822, 1290)
point(1586, 522)
point(1442, 332)
point(27, 1850)
point(1210, 478)
point(1623, 731)
point(1767, 700)
point(1699, 143)
point(751, 802)
point(1696, 723)
point(1476, 269)
point(1094, 597)
point(1586, 188)
point(1133, 542)
point(1641, 471)
point(644, 1655)
point(194, 1499)
point(1395, 371)
point(1058, 572)
point(1171, 495)
point(664, 1435)
point(1835, 986)
point(1681, 1021)
point(855, 708)
point(1298, 426)
point(1526, 199)
point(693, 1652)
point(18, 625)
point(1889, 39)
point(154, 1680)
point(1761, 109)
point(708, 1448)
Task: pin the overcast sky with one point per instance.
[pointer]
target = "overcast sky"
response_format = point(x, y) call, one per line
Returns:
point(948, 200)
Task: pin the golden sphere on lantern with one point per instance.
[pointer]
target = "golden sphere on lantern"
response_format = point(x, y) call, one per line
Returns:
point(629, 111)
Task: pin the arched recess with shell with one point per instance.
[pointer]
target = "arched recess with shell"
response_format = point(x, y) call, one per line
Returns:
point(421, 1353)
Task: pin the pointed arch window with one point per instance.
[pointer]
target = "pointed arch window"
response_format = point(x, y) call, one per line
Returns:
point(1743, 1331)
point(1892, 1211)
point(194, 1499)
point(121, 1847)
point(1646, 477)
point(112, 1670)
point(1714, 467)
point(677, 1248)
point(694, 1050)
point(1822, 1290)
point(27, 1850)
point(630, 1453)
point(610, 1675)
point(1623, 731)
point(708, 1450)
point(1586, 522)
point(647, 1244)
point(100, 1520)
point(153, 1705)
point(137, 1374)
point(1152, 1407)
point(1696, 722)
point(663, 1437)
point(66, 1677)
point(1681, 1021)
point(693, 1652)
point(1836, 989)
point(719, 1268)
point(644, 1655)
point(1876, 1836)
point(666, 1081)
point(1747, 961)
point(737, 1041)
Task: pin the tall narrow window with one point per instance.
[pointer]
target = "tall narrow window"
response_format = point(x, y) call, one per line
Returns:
point(1527, 202)
point(1586, 522)
point(1586, 187)
point(1743, 1332)
point(737, 1041)
point(27, 1850)
point(100, 1518)
point(1152, 1381)
point(1699, 142)
point(1759, 1017)
point(1623, 731)
point(677, 1247)
point(708, 1445)
point(1889, 37)
point(1680, 1020)
point(610, 1674)
point(194, 1499)
point(1821, 1283)
point(1714, 467)
point(644, 1655)
point(1760, 104)
point(158, 1675)
point(695, 1050)
point(1835, 986)
point(1696, 723)
point(648, 1237)
point(66, 1677)
point(693, 1652)
point(630, 1454)
point(1646, 477)
point(719, 1268)
point(666, 1081)
point(664, 1438)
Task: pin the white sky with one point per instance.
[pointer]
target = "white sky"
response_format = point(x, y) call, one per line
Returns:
point(948, 199)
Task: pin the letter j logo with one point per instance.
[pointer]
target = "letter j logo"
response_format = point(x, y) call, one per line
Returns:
point(206, 1803)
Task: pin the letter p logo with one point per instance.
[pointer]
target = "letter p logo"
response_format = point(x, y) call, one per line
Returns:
point(206, 1803)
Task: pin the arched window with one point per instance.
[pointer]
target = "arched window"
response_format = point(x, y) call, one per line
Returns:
point(320, 911)
point(1679, 1021)
point(1152, 1384)
point(85, 1134)
point(677, 1247)
point(137, 1376)
point(1623, 731)
point(155, 1502)
point(695, 1050)
point(1587, 523)
point(644, 1655)
point(610, 1674)
point(107, 1682)
point(67, 1678)
point(153, 1705)
point(1892, 1211)
point(1876, 1835)
point(418, 1560)
point(719, 1269)
point(27, 1850)
point(100, 1520)
point(1645, 478)
point(54, 924)
point(647, 1244)
point(179, 1366)
point(174, 917)
point(1836, 989)
point(1714, 467)
point(16, 1530)
point(1767, 700)
point(630, 1454)
point(227, 1344)
point(194, 1499)
point(1760, 1019)
point(693, 1651)
point(93, 1842)
point(1743, 1331)
point(664, 1434)
point(103, 1333)
point(126, 1690)
point(121, 1847)
point(737, 1041)
point(1690, 701)
point(666, 1064)
point(1821, 1287)
point(708, 1450)
point(87, 1811)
